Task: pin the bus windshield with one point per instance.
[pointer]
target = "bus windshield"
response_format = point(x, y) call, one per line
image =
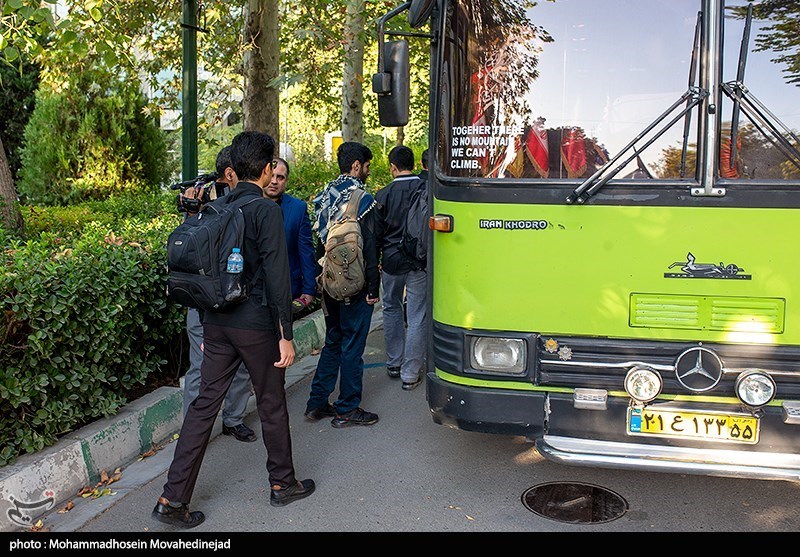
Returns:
point(556, 89)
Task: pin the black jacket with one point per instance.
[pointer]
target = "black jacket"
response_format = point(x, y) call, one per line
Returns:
point(264, 247)
point(394, 202)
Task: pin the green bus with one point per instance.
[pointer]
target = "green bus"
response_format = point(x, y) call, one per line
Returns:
point(615, 211)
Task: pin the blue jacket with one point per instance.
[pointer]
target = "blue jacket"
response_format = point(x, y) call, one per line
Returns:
point(302, 264)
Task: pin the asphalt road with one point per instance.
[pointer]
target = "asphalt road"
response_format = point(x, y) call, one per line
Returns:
point(408, 474)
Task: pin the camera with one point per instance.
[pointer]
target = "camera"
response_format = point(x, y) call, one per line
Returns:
point(204, 187)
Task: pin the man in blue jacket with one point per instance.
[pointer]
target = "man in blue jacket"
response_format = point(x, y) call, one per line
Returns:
point(297, 223)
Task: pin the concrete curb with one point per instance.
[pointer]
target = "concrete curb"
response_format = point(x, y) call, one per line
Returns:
point(41, 482)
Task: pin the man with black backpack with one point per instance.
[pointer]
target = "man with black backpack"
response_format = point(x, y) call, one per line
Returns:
point(403, 272)
point(257, 330)
point(239, 393)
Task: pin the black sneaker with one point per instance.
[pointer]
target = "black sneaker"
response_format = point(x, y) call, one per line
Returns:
point(358, 416)
point(240, 432)
point(393, 371)
point(413, 385)
point(286, 495)
point(327, 411)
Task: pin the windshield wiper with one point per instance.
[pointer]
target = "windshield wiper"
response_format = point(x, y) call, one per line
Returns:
point(692, 73)
point(692, 97)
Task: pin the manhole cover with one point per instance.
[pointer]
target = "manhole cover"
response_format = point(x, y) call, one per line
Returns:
point(574, 502)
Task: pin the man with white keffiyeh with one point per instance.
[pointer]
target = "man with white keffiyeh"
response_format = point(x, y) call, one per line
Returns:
point(346, 323)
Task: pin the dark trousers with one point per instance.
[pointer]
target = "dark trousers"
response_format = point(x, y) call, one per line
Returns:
point(346, 329)
point(224, 348)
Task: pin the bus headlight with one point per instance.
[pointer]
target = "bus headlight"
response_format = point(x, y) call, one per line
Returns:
point(501, 355)
point(643, 384)
point(755, 387)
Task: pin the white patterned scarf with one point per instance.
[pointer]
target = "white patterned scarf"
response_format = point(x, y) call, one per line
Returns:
point(331, 203)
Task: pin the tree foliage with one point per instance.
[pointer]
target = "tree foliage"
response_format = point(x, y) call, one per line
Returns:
point(18, 86)
point(782, 36)
point(106, 144)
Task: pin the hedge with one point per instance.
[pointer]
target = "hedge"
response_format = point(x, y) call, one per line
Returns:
point(85, 321)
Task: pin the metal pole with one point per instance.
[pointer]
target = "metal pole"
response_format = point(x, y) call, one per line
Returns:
point(189, 93)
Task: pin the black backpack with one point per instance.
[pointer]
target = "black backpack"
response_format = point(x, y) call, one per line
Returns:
point(414, 243)
point(197, 256)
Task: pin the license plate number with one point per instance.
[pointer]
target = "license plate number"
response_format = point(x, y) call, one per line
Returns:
point(692, 425)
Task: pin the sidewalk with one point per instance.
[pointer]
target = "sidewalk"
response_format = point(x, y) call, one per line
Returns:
point(37, 485)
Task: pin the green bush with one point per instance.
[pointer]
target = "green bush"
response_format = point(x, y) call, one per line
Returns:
point(85, 321)
point(88, 142)
point(73, 218)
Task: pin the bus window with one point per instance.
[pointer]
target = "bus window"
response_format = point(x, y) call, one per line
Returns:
point(759, 110)
point(552, 90)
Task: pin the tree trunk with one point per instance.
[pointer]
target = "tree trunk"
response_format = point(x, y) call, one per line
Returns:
point(401, 136)
point(261, 95)
point(10, 217)
point(352, 91)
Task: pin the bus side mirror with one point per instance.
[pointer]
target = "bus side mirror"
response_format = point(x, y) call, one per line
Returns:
point(393, 85)
point(419, 12)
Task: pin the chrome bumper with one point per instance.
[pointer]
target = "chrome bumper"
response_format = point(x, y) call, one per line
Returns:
point(676, 460)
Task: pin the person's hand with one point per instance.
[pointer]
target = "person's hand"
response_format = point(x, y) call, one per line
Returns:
point(192, 192)
point(287, 353)
point(307, 298)
point(372, 301)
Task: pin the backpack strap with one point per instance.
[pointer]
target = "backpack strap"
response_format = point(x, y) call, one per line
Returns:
point(353, 203)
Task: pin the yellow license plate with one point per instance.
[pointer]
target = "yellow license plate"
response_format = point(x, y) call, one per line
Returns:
point(692, 425)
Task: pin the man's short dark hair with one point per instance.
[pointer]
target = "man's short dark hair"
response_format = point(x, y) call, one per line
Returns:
point(251, 152)
point(402, 157)
point(350, 152)
point(286, 164)
point(424, 159)
point(223, 161)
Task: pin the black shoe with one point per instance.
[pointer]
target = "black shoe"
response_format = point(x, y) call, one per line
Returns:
point(393, 371)
point(240, 432)
point(284, 496)
point(355, 417)
point(177, 516)
point(413, 385)
point(326, 411)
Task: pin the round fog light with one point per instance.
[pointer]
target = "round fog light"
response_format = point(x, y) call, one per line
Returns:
point(755, 387)
point(642, 384)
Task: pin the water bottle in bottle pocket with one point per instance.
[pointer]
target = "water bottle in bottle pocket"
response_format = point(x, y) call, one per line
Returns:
point(232, 280)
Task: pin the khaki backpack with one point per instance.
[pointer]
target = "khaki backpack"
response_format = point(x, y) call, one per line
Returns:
point(343, 263)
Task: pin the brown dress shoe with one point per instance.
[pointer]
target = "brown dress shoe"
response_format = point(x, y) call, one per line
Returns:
point(177, 516)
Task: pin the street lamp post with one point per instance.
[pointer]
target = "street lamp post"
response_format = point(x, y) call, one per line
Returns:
point(189, 91)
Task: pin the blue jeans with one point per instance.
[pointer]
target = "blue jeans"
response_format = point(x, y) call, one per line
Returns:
point(406, 347)
point(346, 332)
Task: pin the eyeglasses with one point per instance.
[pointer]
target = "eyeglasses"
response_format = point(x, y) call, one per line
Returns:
point(274, 163)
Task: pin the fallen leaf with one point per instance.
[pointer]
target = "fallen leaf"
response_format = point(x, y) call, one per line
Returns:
point(151, 452)
point(469, 517)
point(103, 477)
point(38, 526)
point(85, 489)
point(68, 507)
